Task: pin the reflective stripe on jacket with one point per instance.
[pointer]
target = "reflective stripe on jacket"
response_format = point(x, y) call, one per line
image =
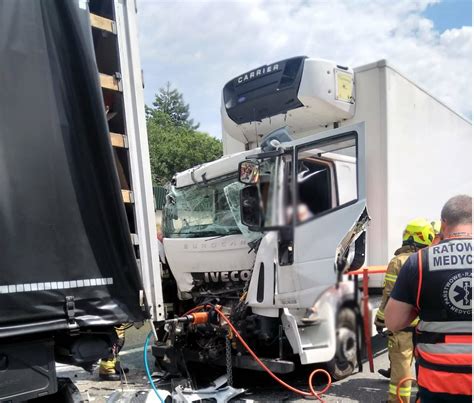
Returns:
point(443, 337)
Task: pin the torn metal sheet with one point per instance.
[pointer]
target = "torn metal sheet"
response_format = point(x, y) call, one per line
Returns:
point(217, 391)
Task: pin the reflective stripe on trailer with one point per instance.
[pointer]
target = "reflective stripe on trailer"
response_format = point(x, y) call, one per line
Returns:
point(445, 382)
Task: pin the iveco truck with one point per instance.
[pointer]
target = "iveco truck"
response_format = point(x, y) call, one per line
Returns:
point(324, 166)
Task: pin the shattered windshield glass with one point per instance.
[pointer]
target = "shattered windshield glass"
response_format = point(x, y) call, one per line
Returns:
point(232, 192)
point(199, 211)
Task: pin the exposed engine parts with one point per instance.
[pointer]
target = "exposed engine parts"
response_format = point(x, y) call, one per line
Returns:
point(205, 337)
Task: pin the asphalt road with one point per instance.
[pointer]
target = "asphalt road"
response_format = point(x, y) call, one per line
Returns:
point(363, 387)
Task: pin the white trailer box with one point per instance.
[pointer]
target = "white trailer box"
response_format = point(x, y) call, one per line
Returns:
point(418, 151)
point(418, 154)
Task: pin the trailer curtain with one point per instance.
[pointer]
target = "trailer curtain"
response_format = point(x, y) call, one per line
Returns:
point(64, 233)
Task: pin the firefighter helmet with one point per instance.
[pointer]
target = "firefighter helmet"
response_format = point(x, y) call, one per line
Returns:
point(419, 231)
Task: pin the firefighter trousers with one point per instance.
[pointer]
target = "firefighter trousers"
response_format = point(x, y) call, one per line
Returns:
point(400, 354)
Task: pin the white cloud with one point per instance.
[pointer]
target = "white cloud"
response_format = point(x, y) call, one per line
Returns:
point(200, 45)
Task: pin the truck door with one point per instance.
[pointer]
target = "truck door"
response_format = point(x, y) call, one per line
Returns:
point(329, 212)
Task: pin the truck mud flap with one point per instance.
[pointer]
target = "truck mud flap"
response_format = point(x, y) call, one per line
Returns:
point(27, 370)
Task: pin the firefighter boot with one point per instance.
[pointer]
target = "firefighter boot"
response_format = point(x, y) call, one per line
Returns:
point(107, 371)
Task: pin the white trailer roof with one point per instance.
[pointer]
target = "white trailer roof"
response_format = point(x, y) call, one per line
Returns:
point(385, 63)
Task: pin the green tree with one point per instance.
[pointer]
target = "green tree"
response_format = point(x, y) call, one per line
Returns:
point(176, 147)
point(171, 102)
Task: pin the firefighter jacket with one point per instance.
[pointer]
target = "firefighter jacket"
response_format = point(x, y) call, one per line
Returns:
point(394, 267)
point(443, 336)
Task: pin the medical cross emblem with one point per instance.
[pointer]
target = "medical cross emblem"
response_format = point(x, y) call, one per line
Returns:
point(463, 293)
point(457, 293)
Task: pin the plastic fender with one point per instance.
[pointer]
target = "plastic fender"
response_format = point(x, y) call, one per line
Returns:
point(316, 343)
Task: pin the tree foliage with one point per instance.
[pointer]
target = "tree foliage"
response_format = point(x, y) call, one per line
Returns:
point(171, 102)
point(175, 147)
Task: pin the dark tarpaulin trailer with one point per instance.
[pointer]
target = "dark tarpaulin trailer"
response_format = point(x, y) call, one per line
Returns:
point(66, 257)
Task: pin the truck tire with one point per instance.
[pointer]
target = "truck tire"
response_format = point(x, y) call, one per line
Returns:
point(345, 359)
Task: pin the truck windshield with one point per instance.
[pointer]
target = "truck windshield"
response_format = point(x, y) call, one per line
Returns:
point(199, 211)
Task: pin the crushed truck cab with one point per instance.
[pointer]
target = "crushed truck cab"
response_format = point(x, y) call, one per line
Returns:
point(277, 271)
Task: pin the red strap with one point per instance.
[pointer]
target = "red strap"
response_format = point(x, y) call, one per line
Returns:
point(420, 279)
point(445, 382)
point(458, 338)
point(446, 358)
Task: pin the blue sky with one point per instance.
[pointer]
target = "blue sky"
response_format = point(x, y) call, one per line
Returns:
point(199, 45)
point(450, 14)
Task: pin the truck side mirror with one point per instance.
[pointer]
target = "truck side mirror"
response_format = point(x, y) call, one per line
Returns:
point(249, 172)
point(250, 207)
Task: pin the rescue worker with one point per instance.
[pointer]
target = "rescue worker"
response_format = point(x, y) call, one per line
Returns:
point(436, 285)
point(418, 234)
point(110, 368)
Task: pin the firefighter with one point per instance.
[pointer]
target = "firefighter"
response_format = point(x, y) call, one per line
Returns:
point(436, 285)
point(418, 234)
point(110, 368)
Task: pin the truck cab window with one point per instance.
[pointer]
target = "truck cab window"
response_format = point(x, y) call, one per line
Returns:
point(326, 177)
point(314, 185)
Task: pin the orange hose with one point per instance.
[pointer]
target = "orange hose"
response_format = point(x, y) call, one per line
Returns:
point(400, 384)
point(312, 393)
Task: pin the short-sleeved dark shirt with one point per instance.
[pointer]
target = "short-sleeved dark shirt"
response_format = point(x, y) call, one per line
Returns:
point(406, 287)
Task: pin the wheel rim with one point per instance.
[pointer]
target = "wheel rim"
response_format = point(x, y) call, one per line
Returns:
point(346, 342)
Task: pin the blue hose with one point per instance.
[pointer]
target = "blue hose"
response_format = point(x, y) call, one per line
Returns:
point(147, 369)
